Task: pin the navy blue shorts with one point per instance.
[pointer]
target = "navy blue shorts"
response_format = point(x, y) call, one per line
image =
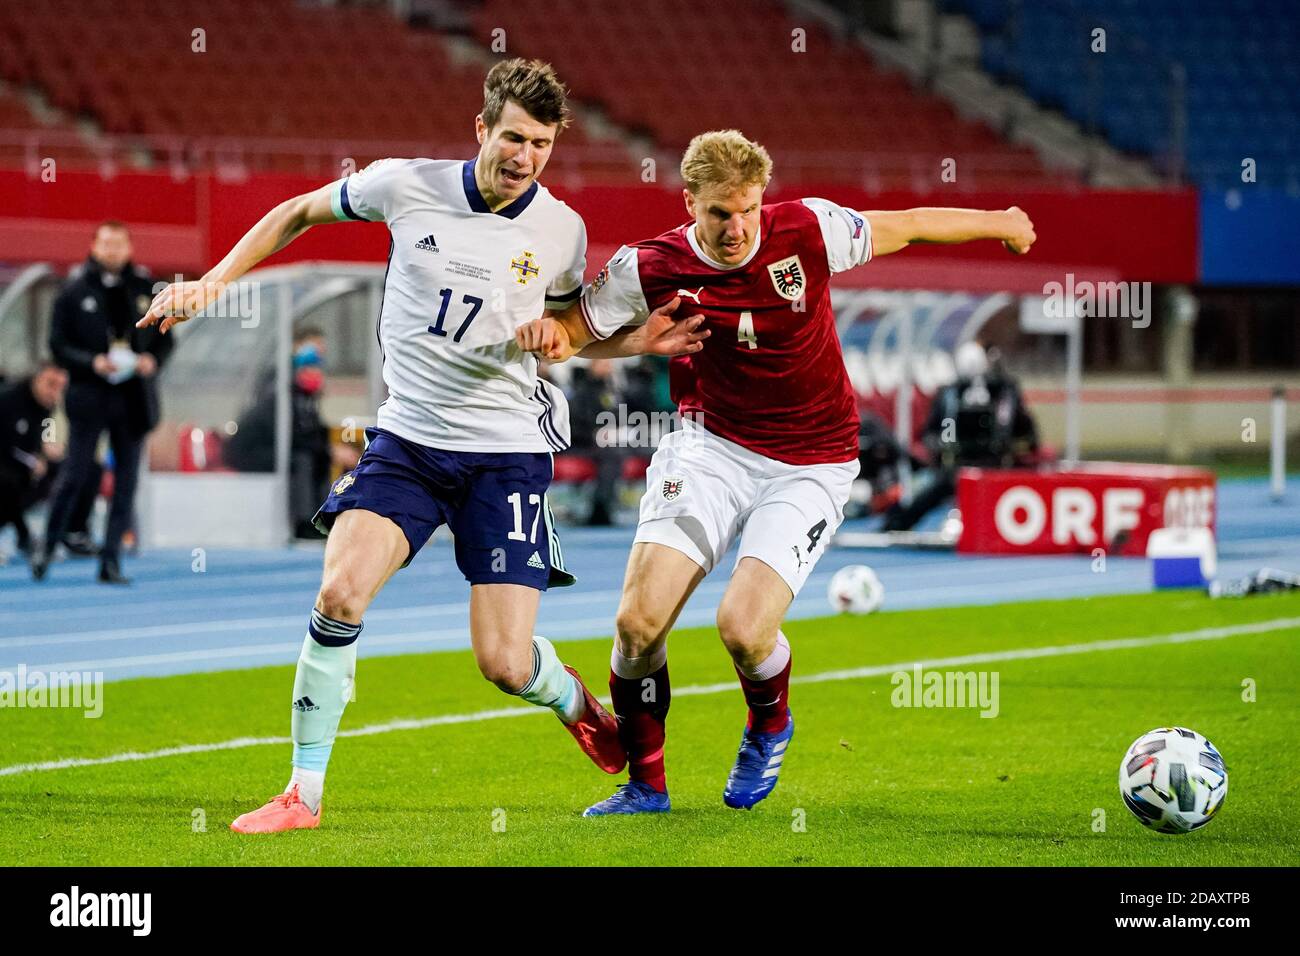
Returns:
point(494, 503)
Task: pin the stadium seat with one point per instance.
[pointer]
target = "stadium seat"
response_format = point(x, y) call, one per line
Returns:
point(1242, 85)
point(632, 81)
point(130, 65)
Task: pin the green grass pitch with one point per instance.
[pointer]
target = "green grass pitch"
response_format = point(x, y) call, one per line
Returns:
point(865, 782)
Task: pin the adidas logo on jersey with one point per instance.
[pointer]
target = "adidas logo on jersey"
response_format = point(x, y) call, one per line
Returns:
point(536, 562)
point(304, 704)
point(428, 244)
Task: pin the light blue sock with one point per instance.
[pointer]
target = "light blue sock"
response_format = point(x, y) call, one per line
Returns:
point(322, 688)
point(551, 685)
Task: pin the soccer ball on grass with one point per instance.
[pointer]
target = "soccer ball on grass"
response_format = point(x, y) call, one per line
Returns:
point(1173, 780)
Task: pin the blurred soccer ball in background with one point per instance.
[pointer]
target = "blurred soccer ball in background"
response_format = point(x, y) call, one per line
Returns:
point(1173, 780)
point(855, 590)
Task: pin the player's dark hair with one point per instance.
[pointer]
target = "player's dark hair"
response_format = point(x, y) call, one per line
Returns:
point(304, 332)
point(530, 83)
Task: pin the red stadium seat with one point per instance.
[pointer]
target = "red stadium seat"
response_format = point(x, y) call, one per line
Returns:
point(129, 64)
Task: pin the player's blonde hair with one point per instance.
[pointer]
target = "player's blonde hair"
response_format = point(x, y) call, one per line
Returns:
point(724, 157)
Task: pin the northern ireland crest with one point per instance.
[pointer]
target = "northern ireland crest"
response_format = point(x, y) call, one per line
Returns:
point(524, 267)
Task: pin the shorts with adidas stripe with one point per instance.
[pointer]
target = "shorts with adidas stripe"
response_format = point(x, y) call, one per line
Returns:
point(494, 503)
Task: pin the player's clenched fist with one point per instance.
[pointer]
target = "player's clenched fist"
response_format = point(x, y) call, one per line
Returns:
point(546, 338)
point(179, 302)
point(1020, 233)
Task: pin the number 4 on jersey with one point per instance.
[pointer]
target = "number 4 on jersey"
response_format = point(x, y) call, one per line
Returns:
point(745, 331)
point(815, 533)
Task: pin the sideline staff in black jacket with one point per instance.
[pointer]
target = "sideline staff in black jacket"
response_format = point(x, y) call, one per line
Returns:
point(25, 407)
point(29, 468)
point(111, 366)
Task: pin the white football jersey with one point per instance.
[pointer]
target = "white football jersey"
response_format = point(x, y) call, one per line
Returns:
point(460, 280)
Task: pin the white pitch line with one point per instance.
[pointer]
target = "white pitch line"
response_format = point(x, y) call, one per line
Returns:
point(857, 673)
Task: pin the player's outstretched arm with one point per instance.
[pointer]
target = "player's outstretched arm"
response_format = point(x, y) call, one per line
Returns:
point(562, 335)
point(892, 231)
point(662, 333)
point(181, 301)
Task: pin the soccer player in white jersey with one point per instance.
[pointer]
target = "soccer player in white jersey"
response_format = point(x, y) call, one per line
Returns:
point(769, 447)
point(467, 433)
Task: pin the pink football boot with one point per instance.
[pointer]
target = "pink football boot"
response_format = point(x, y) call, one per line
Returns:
point(285, 812)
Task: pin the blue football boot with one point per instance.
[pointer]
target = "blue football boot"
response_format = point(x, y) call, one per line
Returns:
point(757, 766)
point(631, 797)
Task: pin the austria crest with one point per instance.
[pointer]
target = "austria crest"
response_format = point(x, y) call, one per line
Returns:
point(672, 487)
point(788, 278)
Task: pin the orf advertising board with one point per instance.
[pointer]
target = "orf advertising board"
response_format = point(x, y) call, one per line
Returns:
point(1106, 505)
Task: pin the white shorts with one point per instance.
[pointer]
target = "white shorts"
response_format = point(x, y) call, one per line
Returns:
point(703, 491)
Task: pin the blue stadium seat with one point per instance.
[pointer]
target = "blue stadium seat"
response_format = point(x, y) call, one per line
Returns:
point(1243, 79)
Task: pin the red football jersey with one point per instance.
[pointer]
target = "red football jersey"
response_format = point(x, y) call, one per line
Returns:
point(771, 377)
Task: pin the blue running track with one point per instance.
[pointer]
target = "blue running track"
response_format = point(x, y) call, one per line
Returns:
point(249, 608)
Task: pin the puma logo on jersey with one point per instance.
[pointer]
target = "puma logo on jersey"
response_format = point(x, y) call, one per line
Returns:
point(691, 295)
point(428, 244)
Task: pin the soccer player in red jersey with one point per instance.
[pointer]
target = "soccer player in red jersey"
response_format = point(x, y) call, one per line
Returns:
point(768, 449)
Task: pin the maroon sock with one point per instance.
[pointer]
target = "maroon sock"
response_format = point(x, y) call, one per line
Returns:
point(642, 705)
point(768, 700)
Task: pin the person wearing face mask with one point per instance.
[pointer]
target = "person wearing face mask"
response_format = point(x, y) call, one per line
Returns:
point(112, 366)
point(979, 420)
point(311, 451)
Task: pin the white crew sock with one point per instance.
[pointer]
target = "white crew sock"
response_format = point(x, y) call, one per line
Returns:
point(774, 663)
point(634, 668)
point(311, 785)
point(551, 685)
